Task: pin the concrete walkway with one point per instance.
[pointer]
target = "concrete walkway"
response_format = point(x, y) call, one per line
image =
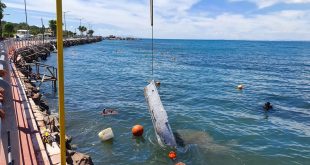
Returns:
point(26, 142)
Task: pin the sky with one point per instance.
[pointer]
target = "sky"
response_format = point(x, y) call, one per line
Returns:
point(176, 19)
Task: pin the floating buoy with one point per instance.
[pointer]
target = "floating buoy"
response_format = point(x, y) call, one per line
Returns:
point(172, 155)
point(180, 163)
point(240, 87)
point(106, 134)
point(157, 83)
point(137, 130)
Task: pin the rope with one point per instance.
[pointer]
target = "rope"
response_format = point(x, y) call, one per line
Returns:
point(151, 13)
point(152, 53)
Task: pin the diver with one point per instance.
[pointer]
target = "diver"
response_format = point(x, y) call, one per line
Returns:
point(267, 106)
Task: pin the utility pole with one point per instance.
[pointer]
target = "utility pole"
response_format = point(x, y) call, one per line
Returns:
point(66, 22)
point(26, 21)
point(43, 29)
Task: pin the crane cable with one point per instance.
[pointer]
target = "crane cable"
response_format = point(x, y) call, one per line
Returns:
point(151, 10)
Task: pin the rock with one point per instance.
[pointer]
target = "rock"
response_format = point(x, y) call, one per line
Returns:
point(43, 105)
point(53, 149)
point(68, 138)
point(74, 146)
point(36, 98)
point(81, 159)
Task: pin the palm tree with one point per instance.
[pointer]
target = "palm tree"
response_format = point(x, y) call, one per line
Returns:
point(90, 32)
point(53, 26)
point(2, 7)
point(82, 29)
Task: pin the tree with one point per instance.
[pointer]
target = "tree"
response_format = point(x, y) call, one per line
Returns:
point(35, 30)
point(2, 7)
point(9, 29)
point(21, 25)
point(53, 26)
point(90, 32)
point(82, 29)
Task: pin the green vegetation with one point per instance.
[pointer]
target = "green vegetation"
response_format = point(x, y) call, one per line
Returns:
point(8, 29)
point(82, 29)
point(34, 30)
point(2, 7)
point(90, 32)
point(53, 26)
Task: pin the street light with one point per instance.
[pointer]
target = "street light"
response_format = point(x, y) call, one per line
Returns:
point(66, 22)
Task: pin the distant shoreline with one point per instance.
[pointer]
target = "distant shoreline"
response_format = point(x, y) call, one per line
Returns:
point(227, 40)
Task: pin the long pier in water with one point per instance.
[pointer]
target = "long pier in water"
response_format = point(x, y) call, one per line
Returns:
point(29, 134)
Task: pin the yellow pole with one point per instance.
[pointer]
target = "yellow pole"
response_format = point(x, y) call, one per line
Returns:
point(61, 91)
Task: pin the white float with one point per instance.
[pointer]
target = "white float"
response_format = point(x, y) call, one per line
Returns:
point(106, 134)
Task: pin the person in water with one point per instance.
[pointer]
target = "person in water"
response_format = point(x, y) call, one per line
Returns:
point(108, 112)
point(267, 106)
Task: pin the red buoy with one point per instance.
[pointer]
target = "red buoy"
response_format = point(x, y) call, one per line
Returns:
point(172, 155)
point(137, 130)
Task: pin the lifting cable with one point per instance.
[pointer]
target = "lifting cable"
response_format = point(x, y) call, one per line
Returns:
point(151, 10)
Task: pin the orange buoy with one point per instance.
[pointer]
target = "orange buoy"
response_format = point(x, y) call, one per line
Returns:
point(137, 130)
point(180, 163)
point(172, 155)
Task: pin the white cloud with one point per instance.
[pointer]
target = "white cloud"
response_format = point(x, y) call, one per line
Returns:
point(268, 3)
point(173, 20)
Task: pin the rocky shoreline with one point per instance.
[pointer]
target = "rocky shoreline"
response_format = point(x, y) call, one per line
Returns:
point(47, 123)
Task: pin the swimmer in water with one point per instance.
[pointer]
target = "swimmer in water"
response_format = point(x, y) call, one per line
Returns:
point(267, 106)
point(109, 112)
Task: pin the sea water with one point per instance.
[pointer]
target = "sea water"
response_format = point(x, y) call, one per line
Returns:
point(218, 123)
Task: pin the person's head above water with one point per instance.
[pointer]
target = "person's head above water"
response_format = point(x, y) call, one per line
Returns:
point(267, 106)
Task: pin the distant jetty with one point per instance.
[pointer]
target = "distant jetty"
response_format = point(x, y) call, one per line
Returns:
point(112, 37)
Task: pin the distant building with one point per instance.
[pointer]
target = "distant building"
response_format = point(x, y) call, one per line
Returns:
point(22, 34)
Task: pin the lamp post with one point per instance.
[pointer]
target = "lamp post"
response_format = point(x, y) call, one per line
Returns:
point(66, 22)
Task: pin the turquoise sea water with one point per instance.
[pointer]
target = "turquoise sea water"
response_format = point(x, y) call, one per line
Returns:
point(219, 124)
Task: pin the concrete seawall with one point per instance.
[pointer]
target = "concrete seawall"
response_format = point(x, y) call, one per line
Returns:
point(44, 127)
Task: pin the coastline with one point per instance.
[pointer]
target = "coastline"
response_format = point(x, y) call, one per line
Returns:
point(22, 58)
